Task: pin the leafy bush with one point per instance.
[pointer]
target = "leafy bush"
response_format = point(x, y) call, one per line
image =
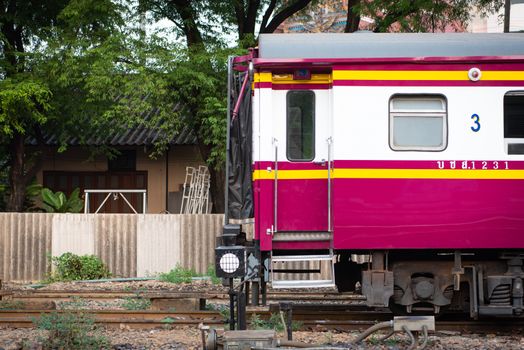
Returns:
point(59, 203)
point(70, 330)
point(72, 267)
point(136, 303)
point(178, 275)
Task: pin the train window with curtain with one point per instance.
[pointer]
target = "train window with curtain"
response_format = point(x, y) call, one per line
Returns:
point(418, 123)
point(514, 122)
point(300, 125)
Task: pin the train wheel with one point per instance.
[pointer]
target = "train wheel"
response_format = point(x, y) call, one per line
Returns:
point(418, 309)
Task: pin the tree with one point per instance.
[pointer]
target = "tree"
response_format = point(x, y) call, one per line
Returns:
point(24, 101)
point(418, 15)
point(64, 66)
point(198, 78)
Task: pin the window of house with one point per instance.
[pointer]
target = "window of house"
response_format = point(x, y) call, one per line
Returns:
point(300, 125)
point(124, 161)
point(514, 122)
point(418, 123)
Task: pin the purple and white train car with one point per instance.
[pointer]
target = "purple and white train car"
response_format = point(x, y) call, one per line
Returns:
point(408, 148)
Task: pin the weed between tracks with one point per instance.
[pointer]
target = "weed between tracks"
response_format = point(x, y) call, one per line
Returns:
point(136, 303)
point(73, 330)
point(183, 275)
point(11, 304)
point(274, 322)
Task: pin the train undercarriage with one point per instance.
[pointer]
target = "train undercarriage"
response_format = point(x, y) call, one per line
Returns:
point(483, 283)
point(409, 282)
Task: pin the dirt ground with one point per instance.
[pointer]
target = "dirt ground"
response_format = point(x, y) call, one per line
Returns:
point(190, 337)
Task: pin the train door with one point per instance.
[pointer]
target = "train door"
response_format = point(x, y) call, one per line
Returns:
point(302, 144)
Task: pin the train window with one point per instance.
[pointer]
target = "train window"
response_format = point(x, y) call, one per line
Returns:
point(300, 125)
point(514, 122)
point(418, 123)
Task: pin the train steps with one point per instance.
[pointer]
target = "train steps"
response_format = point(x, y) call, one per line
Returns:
point(301, 271)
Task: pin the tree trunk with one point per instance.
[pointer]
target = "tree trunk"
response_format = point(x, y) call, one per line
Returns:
point(217, 190)
point(16, 198)
point(353, 17)
point(507, 15)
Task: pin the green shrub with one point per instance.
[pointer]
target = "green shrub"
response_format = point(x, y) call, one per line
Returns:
point(178, 275)
point(136, 303)
point(70, 330)
point(72, 267)
point(58, 202)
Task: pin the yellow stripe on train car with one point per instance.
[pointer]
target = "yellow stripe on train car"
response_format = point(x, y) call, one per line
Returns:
point(391, 174)
point(268, 77)
point(423, 75)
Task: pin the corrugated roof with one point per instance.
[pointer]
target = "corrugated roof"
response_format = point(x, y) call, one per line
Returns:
point(140, 135)
point(389, 45)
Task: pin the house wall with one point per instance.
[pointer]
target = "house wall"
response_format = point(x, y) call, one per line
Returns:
point(77, 159)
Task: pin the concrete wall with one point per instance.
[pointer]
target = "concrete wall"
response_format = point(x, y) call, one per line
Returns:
point(180, 157)
point(25, 240)
point(130, 245)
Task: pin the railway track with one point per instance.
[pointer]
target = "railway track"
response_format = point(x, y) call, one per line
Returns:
point(351, 315)
point(309, 320)
point(62, 295)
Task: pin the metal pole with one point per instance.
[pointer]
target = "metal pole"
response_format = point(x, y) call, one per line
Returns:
point(329, 184)
point(86, 206)
point(275, 196)
point(241, 310)
point(167, 179)
point(144, 203)
point(507, 15)
point(231, 305)
point(226, 182)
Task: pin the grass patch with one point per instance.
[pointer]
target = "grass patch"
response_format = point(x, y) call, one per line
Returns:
point(274, 322)
point(180, 274)
point(136, 303)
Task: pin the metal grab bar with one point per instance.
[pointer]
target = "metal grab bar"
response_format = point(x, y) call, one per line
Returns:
point(329, 142)
point(275, 195)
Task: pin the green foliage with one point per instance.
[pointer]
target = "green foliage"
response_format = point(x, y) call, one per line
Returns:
point(59, 203)
point(424, 15)
point(136, 303)
point(222, 309)
point(212, 275)
point(274, 322)
point(11, 304)
point(70, 330)
point(72, 267)
point(22, 104)
point(178, 275)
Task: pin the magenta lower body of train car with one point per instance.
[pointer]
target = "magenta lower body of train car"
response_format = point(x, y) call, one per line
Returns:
point(397, 213)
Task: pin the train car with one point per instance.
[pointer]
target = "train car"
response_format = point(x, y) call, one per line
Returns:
point(407, 149)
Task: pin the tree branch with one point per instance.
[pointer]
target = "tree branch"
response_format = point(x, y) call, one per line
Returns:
point(284, 14)
point(267, 14)
point(190, 28)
